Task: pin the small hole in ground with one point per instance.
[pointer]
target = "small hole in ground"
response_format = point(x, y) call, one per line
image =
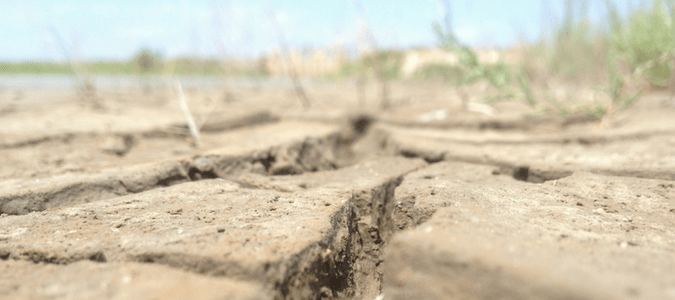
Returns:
point(527, 174)
point(361, 124)
point(267, 162)
point(196, 174)
point(521, 173)
point(428, 158)
point(285, 170)
point(98, 257)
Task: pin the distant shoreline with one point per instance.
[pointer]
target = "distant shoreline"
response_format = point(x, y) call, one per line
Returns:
point(176, 67)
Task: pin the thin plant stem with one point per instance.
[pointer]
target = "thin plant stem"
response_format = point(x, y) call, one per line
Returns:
point(194, 130)
point(379, 73)
point(293, 72)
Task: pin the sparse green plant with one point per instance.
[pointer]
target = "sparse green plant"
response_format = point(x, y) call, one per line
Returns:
point(645, 44)
point(633, 49)
point(472, 70)
point(389, 62)
point(526, 89)
point(649, 34)
point(445, 72)
point(577, 51)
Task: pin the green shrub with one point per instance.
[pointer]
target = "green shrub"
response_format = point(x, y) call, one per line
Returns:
point(390, 63)
point(577, 50)
point(649, 34)
point(390, 66)
point(445, 72)
point(498, 75)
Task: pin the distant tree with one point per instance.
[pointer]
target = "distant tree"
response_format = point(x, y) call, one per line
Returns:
point(147, 59)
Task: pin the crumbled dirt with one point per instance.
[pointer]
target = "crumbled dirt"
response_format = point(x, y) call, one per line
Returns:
point(341, 201)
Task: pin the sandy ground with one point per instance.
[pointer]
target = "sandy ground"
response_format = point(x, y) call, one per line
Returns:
point(426, 200)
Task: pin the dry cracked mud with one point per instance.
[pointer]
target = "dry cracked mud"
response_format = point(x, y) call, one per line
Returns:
point(329, 204)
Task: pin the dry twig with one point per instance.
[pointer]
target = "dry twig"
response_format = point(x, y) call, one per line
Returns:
point(293, 72)
point(84, 84)
point(379, 72)
point(194, 130)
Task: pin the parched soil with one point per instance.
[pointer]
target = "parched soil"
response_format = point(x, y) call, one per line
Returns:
point(426, 200)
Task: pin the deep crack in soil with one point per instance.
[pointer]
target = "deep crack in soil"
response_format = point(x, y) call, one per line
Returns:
point(336, 174)
point(346, 262)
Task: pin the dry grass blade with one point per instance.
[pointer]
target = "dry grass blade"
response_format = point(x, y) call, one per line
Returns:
point(194, 130)
point(83, 80)
point(293, 72)
point(379, 73)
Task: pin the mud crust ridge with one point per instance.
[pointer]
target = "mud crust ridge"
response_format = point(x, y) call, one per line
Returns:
point(43, 257)
point(520, 171)
point(345, 263)
point(309, 155)
point(63, 138)
point(256, 118)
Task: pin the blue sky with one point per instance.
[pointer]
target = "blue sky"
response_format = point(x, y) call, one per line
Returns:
point(116, 29)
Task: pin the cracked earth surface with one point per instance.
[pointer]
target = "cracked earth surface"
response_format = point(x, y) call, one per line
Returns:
point(280, 203)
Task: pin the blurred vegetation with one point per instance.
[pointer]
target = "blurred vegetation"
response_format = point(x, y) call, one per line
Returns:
point(445, 72)
point(34, 68)
point(648, 35)
point(617, 59)
point(620, 55)
point(470, 69)
point(365, 67)
point(147, 60)
point(143, 62)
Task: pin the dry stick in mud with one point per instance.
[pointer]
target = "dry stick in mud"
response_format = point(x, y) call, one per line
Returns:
point(85, 87)
point(293, 72)
point(194, 130)
point(379, 73)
